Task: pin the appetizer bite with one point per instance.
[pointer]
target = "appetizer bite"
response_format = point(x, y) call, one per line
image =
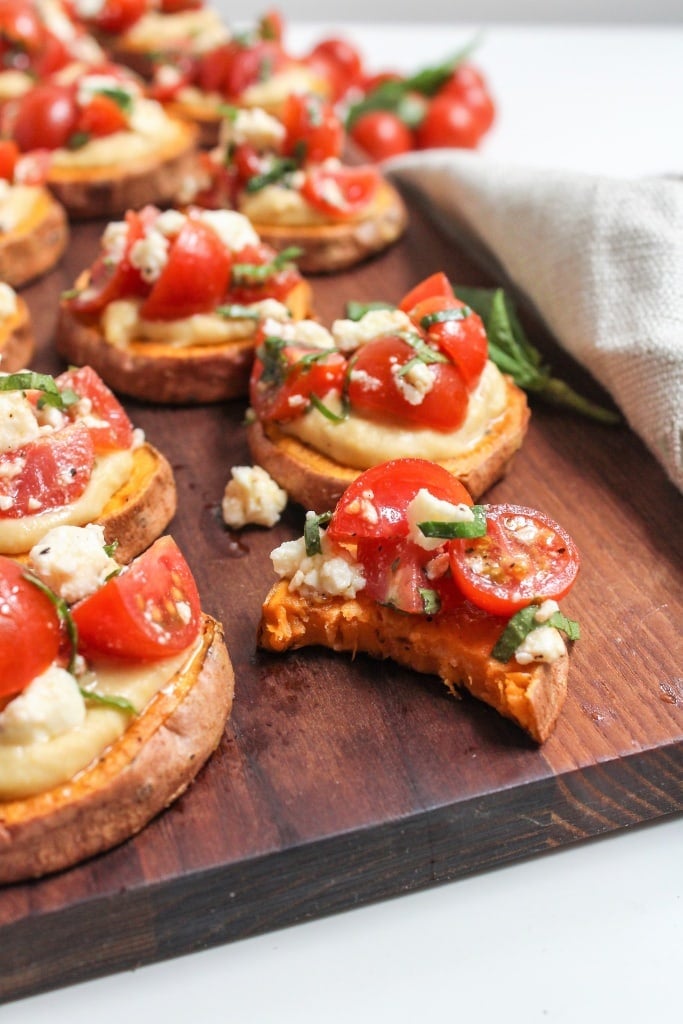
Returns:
point(33, 226)
point(144, 33)
point(17, 343)
point(169, 310)
point(69, 456)
point(408, 381)
point(286, 175)
point(114, 690)
point(38, 38)
point(251, 69)
point(102, 145)
point(409, 569)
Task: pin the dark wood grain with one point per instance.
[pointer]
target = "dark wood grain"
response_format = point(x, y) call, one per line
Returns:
point(340, 781)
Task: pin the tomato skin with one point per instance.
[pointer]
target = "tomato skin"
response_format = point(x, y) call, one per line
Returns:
point(148, 612)
point(195, 278)
point(231, 68)
point(9, 154)
point(119, 15)
point(45, 118)
point(312, 128)
point(468, 85)
point(29, 629)
point(343, 60)
point(102, 116)
point(502, 573)
point(113, 429)
point(56, 470)
point(463, 341)
point(449, 121)
point(374, 390)
point(109, 280)
point(390, 487)
point(381, 134)
point(435, 284)
point(271, 403)
point(356, 187)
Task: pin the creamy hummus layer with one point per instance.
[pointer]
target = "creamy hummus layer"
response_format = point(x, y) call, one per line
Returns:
point(275, 204)
point(360, 443)
point(110, 473)
point(152, 129)
point(122, 324)
point(38, 767)
point(194, 30)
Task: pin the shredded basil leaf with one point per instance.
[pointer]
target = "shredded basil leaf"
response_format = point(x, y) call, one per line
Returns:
point(27, 380)
point(271, 354)
point(325, 411)
point(449, 530)
point(312, 538)
point(78, 140)
point(258, 272)
point(108, 700)
point(522, 623)
point(235, 311)
point(63, 613)
point(121, 97)
point(513, 353)
point(442, 316)
point(356, 310)
point(278, 171)
point(431, 602)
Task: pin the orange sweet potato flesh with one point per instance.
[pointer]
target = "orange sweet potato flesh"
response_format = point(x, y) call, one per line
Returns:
point(35, 244)
point(17, 342)
point(140, 774)
point(455, 646)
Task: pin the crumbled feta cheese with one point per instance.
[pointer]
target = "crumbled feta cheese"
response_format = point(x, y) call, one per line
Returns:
point(366, 379)
point(114, 240)
point(50, 705)
point(415, 383)
point(546, 609)
point(363, 506)
point(332, 572)
point(89, 8)
point(425, 507)
point(233, 229)
point(302, 332)
point(252, 496)
point(270, 309)
point(150, 255)
point(542, 644)
point(351, 334)
point(72, 560)
point(523, 528)
point(168, 77)
point(90, 85)
point(18, 424)
point(255, 127)
point(8, 301)
point(170, 222)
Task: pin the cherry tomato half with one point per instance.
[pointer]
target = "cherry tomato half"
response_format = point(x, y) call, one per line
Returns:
point(375, 504)
point(108, 424)
point(29, 629)
point(378, 388)
point(313, 131)
point(463, 338)
point(341, 193)
point(195, 277)
point(343, 60)
point(302, 376)
point(46, 118)
point(524, 556)
point(55, 470)
point(449, 121)
point(435, 284)
point(148, 612)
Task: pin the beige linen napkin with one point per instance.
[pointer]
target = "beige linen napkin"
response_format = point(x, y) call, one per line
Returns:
point(601, 259)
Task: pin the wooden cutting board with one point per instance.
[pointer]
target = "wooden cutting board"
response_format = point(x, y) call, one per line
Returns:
point(343, 781)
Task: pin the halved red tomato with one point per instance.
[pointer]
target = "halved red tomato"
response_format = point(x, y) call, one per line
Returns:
point(148, 612)
point(108, 424)
point(378, 388)
point(301, 373)
point(45, 117)
point(195, 277)
point(457, 331)
point(341, 192)
point(9, 154)
point(524, 556)
point(109, 279)
point(118, 15)
point(29, 629)
point(55, 470)
point(232, 67)
point(313, 131)
point(102, 116)
point(375, 504)
point(275, 285)
point(435, 284)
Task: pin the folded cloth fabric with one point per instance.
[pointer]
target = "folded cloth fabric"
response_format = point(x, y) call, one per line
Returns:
point(601, 259)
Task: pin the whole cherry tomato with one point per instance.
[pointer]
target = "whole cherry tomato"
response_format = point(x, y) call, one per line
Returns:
point(46, 118)
point(381, 134)
point(343, 60)
point(449, 121)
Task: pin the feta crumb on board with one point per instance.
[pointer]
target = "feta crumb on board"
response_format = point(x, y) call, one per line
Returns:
point(72, 560)
point(50, 705)
point(252, 496)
